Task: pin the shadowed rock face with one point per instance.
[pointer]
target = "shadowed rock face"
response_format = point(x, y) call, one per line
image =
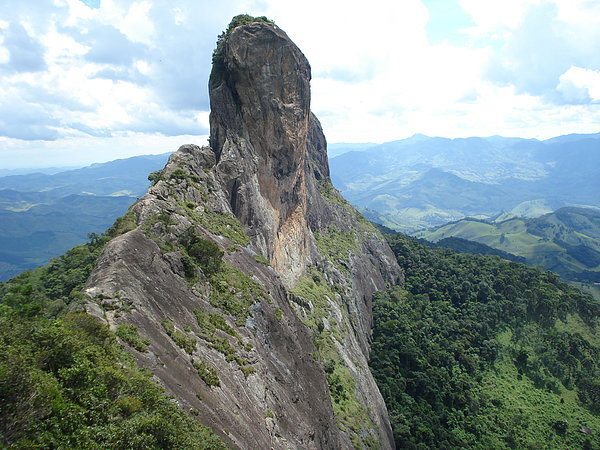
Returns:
point(292, 357)
point(259, 122)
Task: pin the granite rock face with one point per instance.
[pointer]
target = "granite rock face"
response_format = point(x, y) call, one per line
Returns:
point(270, 346)
point(260, 108)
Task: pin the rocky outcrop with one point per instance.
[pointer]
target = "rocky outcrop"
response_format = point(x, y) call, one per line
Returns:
point(246, 272)
point(260, 108)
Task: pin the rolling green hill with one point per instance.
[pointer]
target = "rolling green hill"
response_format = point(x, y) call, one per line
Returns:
point(566, 241)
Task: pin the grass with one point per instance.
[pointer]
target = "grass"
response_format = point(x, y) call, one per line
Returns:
point(337, 246)
point(234, 292)
point(209, 323)
point(313, 289)
point(348, 410)
point(350, 414)
point(261, 260)
point(528, 415)
point(129, 334)
point(207, 373)
point(466, 229)
point(181, 339)
point(574, 324)
point(147, 226)
point(247, 370)
point(122, 225)
point(332, 194)
point(222, 225)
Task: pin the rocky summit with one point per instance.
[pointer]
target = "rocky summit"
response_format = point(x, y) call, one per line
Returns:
point(244, 279)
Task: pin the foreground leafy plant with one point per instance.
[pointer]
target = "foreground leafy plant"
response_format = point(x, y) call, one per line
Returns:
point(66, 383)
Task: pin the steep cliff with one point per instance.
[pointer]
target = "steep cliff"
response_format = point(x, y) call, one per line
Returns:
point(246, 272)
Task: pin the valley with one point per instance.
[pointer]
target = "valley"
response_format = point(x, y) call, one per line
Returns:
point(423, 181)
point(43, 214)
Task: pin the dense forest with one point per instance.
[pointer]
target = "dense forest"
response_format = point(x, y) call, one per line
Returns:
point(479, 352)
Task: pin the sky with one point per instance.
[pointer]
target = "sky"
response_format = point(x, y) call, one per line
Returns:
point(85, 81)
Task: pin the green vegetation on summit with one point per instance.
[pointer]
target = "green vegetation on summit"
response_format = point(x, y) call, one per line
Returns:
point(237, 21)
point(478, 352)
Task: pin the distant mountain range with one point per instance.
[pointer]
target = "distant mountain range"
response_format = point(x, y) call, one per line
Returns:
point(426, 181)
point(338, 149)
point(45, 170)
point(406, 185)
point(42, 215)
point(566, 241)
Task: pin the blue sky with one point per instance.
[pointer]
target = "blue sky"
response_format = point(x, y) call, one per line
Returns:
point(94, 80)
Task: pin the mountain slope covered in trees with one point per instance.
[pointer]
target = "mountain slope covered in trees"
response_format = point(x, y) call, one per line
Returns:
point(478, 352)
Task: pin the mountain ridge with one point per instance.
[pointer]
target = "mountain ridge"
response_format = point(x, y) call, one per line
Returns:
point(65, 207)
point(560, 171)
point(225, 237)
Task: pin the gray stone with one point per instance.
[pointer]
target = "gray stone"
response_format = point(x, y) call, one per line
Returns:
point(267, 167)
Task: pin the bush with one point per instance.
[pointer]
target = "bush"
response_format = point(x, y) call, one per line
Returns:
point(186, 343)
point(237, 21)
point(206, 254)
point(155, 177)
point(189, 268)
point(207, 373)
point(68, 384)
point(129, 334)
point(179, 174)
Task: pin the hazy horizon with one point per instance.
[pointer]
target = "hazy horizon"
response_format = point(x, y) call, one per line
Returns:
point(36, 165)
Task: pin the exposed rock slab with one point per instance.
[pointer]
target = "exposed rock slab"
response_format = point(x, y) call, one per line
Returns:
point(292, 366)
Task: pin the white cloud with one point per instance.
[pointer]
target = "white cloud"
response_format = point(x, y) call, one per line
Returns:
point(349, 40)
point(102, 70)
point(142, 67)
point(578, 85)
point(582, 13)
point(535, 41)
point(136, 24)
point(528, 68)
point(495, 18)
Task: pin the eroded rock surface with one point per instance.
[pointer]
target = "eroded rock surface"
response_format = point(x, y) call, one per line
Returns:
point(260, 108)
point(270, 346)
